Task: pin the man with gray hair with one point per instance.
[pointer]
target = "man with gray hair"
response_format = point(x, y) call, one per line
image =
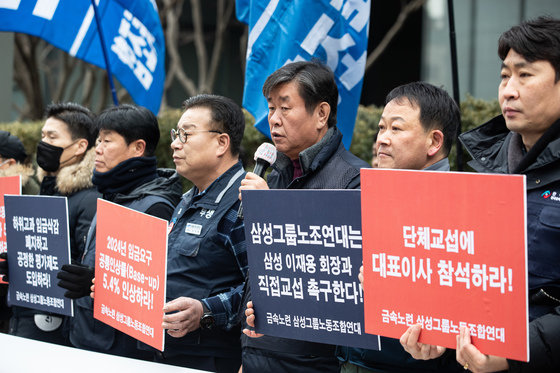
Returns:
point(302, 101)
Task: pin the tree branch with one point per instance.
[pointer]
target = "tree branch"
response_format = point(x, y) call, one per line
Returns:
point(222, 20)
point(173, 11)
point(200, 48)
point(394, 30)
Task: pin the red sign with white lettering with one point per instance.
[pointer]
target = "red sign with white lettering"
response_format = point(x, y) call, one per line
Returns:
point(445, 250)
point(8, 185)
point(130, 272)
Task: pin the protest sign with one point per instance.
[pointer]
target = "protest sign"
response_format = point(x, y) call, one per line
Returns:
point(8, 185)
point(305, 252)
point(38, 246)
point(130, 272)
point(446, 250)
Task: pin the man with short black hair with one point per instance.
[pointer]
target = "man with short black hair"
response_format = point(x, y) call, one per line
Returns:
point(125, 173)
point(417, 128)
point(525, 139)
point(65, 157)
point(416, 132)
point(302, 101)
point(207, 256)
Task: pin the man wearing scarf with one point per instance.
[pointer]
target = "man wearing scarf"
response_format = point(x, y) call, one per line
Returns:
point(125, 173)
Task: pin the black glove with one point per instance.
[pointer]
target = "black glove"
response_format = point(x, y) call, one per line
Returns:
point(75, 278)
point(4, 267)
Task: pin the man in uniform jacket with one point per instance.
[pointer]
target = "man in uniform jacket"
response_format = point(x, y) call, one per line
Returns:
point(207, 256)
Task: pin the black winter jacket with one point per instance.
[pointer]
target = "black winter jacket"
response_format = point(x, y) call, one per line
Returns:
point(495, 149)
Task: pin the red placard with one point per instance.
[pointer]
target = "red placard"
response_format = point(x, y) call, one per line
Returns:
point(8, 185)
point(130, 272)
point(444, 250)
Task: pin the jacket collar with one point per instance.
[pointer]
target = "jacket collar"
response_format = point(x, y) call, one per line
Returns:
point(211, 196)
point(441, 165)
point(75, 177)
point(313, 157)
point(19, 169)
point(489, 146)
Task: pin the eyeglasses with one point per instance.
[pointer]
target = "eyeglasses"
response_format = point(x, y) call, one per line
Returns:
point(183, 135)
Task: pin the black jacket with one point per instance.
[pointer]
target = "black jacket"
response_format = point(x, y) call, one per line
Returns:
point(495, 149)
point(325, 165)
point(89, 333)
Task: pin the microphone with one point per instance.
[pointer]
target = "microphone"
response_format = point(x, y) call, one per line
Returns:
point(264, 157)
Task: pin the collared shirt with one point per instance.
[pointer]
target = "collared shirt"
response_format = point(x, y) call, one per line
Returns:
point(441, 165)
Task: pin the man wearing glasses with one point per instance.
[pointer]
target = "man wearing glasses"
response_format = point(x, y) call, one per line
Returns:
point(207, 258)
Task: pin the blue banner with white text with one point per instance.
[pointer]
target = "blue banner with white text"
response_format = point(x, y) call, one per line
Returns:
point(281, 31)
point(132, 33)
point(305, 252)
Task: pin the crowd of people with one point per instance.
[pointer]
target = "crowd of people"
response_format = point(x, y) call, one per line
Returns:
point(209, 314)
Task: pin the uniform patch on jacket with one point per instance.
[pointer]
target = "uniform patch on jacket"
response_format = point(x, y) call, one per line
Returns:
point(554, 196)
point(193, 229)
point(207, 213)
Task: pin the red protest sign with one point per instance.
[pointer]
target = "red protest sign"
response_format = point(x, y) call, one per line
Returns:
point(8, 185)
point(446, 250)
point(130, 272)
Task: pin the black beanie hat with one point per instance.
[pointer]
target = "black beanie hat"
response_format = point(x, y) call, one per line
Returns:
point(11, 147)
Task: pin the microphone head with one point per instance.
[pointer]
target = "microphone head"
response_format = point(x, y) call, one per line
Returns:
point(266, 152)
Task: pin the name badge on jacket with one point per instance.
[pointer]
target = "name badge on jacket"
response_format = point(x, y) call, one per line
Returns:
point(194, 229)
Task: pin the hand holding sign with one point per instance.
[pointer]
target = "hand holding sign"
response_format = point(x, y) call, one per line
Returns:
point(182, 316)
point(76, 279)
point(419, 351)
point(250, 314)
point(472, 359)
point(361, 276)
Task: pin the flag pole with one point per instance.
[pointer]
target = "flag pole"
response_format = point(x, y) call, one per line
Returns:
point(105, 56)
point(455, 78)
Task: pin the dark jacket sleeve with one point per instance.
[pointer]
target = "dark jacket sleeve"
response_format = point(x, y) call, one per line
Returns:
point(544, 346)
point(161, 210)
point(84, 206)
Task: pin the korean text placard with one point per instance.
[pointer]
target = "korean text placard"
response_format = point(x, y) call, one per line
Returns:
point(130, 272)
point(446, 250)
point(305, 250)
point(38, 246)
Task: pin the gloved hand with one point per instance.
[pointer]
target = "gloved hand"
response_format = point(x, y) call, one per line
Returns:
point(4, 266)
point(75, 278)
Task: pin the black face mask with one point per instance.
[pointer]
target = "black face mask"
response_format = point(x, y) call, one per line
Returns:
point(48, 156)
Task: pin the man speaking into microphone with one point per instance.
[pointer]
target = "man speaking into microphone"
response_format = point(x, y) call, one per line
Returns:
point(302, 101)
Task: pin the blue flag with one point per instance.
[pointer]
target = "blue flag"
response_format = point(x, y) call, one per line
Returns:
point(282, 31)
point(131, 29)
